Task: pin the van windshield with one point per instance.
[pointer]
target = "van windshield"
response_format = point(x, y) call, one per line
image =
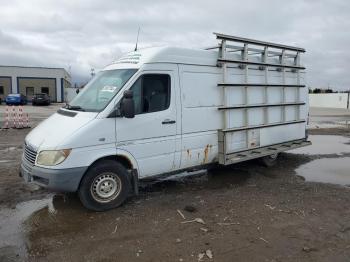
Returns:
point(96, 95)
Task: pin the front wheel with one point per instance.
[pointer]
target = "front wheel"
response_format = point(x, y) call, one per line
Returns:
point(269, 160)
point(106, 185)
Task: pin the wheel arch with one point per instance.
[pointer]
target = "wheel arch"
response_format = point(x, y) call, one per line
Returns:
point(125, 159)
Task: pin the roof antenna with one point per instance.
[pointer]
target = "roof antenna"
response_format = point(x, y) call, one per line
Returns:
point(137, 39)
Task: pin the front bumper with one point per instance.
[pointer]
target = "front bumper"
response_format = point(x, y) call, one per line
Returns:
point(64, 180)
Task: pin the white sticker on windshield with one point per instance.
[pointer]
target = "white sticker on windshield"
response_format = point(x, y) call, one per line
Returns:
point(109, 88)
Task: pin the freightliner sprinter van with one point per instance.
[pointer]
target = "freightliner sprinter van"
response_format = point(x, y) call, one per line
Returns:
point(164, 110)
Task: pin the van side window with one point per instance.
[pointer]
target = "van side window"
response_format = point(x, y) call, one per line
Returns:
point(151, 93)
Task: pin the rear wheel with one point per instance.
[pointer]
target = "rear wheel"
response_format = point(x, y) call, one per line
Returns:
point(106, 185)
point(269, 160)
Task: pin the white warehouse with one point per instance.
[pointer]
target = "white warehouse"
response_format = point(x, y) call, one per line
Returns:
point(31, 80)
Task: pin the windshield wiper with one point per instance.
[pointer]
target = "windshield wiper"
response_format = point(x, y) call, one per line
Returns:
point(77, 108)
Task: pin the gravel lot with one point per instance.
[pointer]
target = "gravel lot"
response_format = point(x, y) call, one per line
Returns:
point(241, 213)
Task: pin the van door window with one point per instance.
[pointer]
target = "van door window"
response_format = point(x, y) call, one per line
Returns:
point(151, 93)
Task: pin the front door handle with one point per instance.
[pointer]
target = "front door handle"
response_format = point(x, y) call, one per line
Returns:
point(168, 122)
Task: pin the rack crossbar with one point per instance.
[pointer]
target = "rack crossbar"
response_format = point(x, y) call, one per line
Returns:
point(233, 48)
point(220, 60)
point(261, 85)
point(261, 105)
point(258, 42)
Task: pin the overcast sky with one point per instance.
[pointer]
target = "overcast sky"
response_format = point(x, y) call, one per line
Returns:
point(91, 34)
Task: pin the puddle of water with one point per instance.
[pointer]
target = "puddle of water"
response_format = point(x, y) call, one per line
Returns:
point(324, 145)
point(327, 170)
point(11, 229)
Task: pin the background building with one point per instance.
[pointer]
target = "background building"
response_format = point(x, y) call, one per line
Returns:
point(31, 80)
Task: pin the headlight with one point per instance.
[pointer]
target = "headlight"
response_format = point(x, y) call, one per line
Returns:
point(52, 157)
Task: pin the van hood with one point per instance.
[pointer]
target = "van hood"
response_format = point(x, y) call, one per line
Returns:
point(50, 133)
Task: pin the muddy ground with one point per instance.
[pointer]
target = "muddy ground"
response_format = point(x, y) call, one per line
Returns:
point(246, 213)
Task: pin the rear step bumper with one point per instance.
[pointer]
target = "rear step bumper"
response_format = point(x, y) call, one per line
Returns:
point(241, 156)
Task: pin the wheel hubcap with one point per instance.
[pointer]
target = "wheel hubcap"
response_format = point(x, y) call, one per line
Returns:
point(105, 187)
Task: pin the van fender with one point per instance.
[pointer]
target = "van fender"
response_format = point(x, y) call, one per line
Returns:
point(125, 157)
point(135, 168)
point(126, 154)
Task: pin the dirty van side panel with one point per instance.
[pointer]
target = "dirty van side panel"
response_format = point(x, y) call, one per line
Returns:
point(200, 98)
point(201, 117)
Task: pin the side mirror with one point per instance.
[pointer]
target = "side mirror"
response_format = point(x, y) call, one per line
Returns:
point(127, 105)
point(77, 91)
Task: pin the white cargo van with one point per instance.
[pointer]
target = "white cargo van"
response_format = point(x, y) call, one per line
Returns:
point(167, 110)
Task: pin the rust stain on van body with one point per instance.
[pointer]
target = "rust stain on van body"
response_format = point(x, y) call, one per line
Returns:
point(206, 152)
point(189, 155)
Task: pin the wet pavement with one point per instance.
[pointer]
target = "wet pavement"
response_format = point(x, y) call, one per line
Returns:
point(333, 166)
point(21, 226)
point(329, 118)
point(12, 233)
point(325, 144)
point(330, 170)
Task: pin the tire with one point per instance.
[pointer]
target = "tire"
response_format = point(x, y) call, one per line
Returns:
point(270, 160)
point(105, 185)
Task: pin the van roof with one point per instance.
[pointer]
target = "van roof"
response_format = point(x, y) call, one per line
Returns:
point(178, 55)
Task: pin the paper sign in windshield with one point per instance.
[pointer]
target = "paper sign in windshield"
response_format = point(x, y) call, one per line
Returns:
point(109, 89)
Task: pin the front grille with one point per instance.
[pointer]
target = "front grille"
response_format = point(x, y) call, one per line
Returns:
point(29, 154)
